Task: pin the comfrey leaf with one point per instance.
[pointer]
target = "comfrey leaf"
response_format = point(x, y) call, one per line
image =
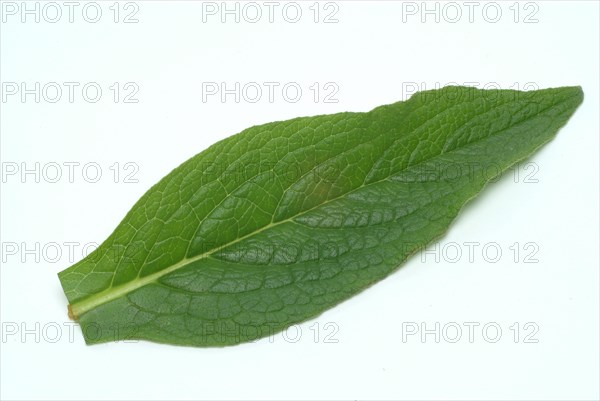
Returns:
point(274, 225)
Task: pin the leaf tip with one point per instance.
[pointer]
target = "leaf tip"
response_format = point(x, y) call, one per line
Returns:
point(574, 92)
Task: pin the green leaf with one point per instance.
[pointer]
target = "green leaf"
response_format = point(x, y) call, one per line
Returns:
point(274, 225)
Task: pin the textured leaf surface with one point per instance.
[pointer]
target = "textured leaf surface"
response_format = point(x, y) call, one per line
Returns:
point(274, 225)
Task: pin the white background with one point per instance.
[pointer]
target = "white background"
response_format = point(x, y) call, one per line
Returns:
point(373, 54)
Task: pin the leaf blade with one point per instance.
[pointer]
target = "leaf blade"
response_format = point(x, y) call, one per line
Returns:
point(245, 250)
